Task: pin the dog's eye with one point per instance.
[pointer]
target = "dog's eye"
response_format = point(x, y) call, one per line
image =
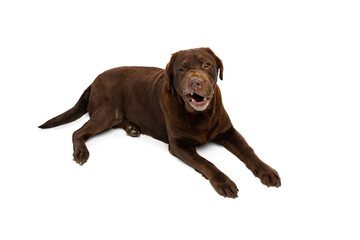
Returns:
point(207, 65)
point(182, 69)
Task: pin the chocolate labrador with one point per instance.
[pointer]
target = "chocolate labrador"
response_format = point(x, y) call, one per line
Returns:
point(180, 105)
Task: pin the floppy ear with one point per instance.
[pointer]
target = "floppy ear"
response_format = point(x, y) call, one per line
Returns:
point(169, 71)
point(218, 62)
point(168, 74)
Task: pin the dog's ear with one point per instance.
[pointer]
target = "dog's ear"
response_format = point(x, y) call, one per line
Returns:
point(169, 71)
point(219, 63)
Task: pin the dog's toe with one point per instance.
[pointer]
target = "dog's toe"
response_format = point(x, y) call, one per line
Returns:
point(224, 186)
point(270, 178)
point(132, 130)
point(81, 155)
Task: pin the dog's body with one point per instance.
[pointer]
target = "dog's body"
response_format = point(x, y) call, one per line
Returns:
point(180, 105)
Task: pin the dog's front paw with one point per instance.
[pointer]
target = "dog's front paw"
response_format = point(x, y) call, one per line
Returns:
point(224, 186)
point(81, 154)
point(268, 176)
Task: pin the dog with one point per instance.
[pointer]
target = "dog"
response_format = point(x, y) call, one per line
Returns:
point(180, 105)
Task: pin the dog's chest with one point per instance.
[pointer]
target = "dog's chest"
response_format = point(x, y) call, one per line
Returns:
point(197, 132)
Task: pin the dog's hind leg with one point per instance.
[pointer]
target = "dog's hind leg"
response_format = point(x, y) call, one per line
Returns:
point(101, 120)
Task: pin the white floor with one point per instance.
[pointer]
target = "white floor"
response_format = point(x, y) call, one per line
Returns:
point(291, 87)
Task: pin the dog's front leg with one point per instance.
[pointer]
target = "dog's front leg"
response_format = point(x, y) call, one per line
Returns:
point(220, 182)
point(235, 143)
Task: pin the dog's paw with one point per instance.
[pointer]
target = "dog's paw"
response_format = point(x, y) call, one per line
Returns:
point(224, 186)
point(81, 155)
point(268, 176)
point(132, 131)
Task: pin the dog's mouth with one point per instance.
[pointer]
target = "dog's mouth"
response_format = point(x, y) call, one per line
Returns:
point(195, 98)
point(197, 101)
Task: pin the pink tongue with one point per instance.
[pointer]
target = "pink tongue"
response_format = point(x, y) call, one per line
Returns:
point(198, 103)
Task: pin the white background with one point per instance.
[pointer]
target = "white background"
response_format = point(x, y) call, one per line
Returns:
point(291, 87)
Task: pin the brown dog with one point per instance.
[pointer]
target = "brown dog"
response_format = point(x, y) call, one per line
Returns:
point(180, 105)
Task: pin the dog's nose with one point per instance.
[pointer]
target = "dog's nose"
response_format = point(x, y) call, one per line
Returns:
point(196, 83)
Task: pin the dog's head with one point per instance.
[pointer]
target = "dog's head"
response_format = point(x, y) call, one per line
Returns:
point(193, 74)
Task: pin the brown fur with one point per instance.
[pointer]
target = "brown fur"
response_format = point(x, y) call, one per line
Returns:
point(180, 105)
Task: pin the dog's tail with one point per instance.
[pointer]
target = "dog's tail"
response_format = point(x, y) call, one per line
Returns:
point(72, 114)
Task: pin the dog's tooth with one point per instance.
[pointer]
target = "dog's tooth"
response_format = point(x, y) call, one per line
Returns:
point(204, 98)
point(191, 94)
